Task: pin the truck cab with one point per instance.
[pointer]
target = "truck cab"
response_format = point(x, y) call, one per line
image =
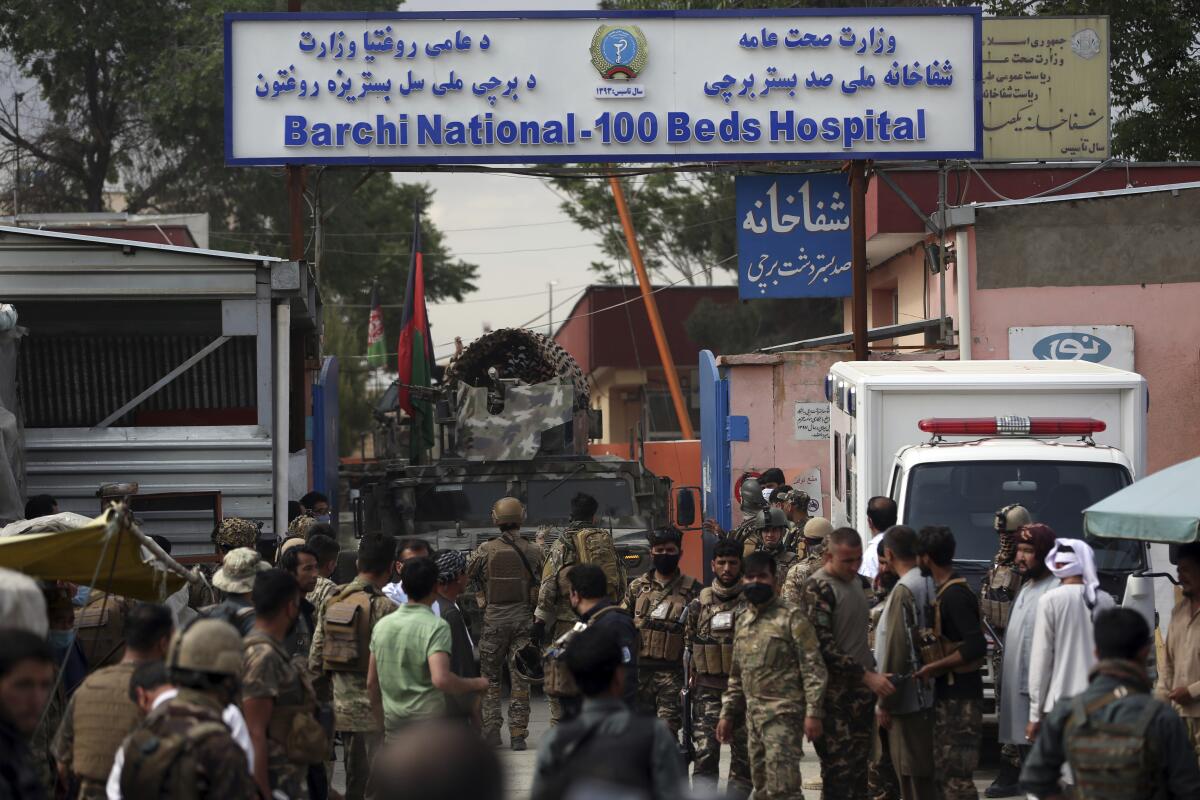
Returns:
point(961, 484)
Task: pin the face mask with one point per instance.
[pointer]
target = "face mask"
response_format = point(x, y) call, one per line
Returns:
point(323, 518)
point(666, 563)
point(757, 593)
point(767, 494)
point(926, 572)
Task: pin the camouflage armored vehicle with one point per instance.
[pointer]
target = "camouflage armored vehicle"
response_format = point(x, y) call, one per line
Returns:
point(513, 418)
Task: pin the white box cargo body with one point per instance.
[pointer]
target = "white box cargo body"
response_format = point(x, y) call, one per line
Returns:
point(876, 447)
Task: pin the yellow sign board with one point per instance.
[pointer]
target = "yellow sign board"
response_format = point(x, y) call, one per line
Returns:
point(1045, 88)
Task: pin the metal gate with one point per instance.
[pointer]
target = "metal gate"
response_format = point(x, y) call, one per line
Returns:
point(717, 430)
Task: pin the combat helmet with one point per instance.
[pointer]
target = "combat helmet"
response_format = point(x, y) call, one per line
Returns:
point(1012, 518)
point(234, 532)
point(508, 511)
point(752, 497)
point(527, 663)
point(209, 646)
point(773, 518)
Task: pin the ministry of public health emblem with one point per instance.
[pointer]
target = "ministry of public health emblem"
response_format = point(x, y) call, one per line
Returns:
point(619, 52)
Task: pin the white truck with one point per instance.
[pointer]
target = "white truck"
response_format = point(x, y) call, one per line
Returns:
point(954, 441)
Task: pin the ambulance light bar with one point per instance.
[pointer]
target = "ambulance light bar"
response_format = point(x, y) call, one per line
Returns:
point(1016, 426)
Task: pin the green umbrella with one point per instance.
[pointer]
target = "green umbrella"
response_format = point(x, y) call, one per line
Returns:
point(1164, 507)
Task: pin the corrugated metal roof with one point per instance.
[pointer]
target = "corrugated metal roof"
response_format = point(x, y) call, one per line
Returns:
point(1060, 198)
point(6, 230)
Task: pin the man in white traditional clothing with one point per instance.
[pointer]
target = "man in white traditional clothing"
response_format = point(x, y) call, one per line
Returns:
point(1063, 649)
point(1033, 544)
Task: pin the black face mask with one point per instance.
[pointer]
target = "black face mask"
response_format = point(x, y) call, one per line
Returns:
point(926, 572)
point(666, 563)
point(757, 593)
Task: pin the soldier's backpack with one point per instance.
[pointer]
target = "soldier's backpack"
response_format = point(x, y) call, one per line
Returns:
point(347, 631)
point(558, 681)
point(1111, 760)
point(165, 766)
point(101, 629)
point(595, 546)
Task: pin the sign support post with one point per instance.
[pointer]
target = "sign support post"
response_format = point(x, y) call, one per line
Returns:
point(858, 256)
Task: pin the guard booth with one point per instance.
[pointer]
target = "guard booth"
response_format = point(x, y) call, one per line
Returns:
point(160, 365)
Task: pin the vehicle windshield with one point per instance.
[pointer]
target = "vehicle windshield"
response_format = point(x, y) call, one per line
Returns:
point(469, 503)
point(549, 501)
point(965, 496)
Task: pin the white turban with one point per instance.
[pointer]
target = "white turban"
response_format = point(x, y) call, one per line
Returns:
point(1077, 560)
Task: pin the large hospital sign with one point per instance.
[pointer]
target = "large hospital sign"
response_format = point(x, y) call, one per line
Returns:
point(530, 87)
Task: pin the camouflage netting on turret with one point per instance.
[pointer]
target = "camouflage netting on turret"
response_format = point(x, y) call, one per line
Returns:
point(517, 353)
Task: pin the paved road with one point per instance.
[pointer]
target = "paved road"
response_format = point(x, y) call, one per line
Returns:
point(519, 766)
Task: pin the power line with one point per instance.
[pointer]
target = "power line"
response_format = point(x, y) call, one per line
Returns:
point(470, 253)
point(457, 302)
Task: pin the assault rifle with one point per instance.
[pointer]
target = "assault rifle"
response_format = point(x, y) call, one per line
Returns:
point(914, 652)
point(997, 639)
point(686, 747)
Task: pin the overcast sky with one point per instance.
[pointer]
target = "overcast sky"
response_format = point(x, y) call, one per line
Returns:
point(511, 226)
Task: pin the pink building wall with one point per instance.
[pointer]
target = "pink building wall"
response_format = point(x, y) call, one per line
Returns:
point(765, 388)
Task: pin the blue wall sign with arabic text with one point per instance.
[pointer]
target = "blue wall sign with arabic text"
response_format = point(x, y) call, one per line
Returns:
point(793, 236)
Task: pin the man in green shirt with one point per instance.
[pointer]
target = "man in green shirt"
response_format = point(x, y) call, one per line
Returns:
point(409, 668)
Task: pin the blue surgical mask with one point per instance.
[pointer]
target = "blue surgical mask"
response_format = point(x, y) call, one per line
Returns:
point(323, 518)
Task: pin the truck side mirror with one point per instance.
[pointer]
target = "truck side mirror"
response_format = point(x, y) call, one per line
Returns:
point(685, 508)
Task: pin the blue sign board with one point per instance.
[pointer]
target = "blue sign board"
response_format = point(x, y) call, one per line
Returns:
point(793, 235)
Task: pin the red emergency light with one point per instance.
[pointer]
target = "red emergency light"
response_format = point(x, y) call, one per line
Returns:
point(1015, 426)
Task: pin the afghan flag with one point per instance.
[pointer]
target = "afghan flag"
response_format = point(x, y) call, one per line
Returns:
point(415, 353)
point(376, 351)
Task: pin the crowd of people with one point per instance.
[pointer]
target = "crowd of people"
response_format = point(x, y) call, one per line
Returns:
point(872, 648)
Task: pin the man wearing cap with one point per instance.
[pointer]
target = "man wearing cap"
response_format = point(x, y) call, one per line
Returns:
point(795, 505)
point(774, 525)
point(452, 582)
point(507, 570)
point(816, 531)
point(1033, 544)
point(235, 579)
point(230, 534)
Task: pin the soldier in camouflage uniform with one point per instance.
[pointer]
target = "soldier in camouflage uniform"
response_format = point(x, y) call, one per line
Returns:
point(710, 626)
point(505, 569)
point(771, 532)
point(360, 728)
point(204, 661)
point(795, 505)
point(275, 690)
point(658, 601)
point(554, 595)
point(230, 534)
point(835, 601)
point(816, 531)
point(754, 510)
point(996, 597)
point(776, 684)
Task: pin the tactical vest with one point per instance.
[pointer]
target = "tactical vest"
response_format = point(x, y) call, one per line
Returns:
point(661, 623)
point(784, 560)
point(935, 646)
point(712, 651)
point(347, 629)
point(999, 591)
point(509, 574)
point(293, 723)
point(104, 714)
point(559, 681)
point(1111, 760)
point(101, 628)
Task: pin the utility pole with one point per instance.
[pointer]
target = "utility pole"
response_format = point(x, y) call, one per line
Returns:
point(656, 326)
point(858, 256)
point(17, 178)
point(550, 311)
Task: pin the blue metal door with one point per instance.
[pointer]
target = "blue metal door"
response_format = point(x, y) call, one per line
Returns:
point(717, 430)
